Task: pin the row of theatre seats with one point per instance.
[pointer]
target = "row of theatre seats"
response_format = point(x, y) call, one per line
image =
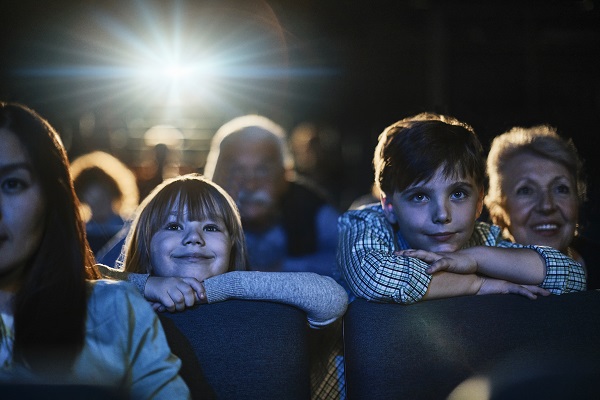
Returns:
point(477, 347)
point(474, 347)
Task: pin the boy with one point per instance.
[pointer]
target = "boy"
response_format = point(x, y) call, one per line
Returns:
point(424, 241)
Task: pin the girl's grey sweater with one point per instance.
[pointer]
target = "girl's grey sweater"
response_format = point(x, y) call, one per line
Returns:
point(323, 300)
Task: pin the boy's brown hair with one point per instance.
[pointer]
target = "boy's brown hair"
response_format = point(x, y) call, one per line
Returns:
point(412, 149)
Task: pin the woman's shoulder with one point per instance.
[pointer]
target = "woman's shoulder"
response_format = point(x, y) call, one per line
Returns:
point(101, 287)
point(113, 295)
point(113, 306)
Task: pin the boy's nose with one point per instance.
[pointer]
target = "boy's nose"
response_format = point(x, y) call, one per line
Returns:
point(441, 213)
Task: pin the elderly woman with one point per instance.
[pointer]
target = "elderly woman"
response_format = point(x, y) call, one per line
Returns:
point(536, 188)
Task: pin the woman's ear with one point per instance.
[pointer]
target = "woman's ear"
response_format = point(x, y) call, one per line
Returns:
point(388, 209)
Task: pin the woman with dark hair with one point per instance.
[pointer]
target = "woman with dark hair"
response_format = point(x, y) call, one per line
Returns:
point(58, 325)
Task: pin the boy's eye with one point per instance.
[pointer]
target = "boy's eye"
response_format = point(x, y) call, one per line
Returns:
point(459, 194)
point(419, 197)
point(13, 185)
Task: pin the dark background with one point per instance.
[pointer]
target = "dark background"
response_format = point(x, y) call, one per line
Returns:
point(351, 66)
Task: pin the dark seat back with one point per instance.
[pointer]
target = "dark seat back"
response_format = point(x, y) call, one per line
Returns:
point(425, 350)
point(242, 350)
point(16, 391)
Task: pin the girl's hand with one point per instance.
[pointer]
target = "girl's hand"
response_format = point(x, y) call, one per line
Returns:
point(457, 262)
point(173, 293)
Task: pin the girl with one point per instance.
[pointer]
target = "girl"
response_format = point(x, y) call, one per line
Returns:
point(186, 246)
point(56, 325)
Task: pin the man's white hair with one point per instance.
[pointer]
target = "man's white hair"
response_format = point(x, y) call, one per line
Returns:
point(246, 124)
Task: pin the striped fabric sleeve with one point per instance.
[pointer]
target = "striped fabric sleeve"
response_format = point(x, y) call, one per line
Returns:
point(366, 258)
point(563, 274)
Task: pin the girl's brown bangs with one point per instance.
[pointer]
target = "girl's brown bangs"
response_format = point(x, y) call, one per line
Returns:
point(199, 201)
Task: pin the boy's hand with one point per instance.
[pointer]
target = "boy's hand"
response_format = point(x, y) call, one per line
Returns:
point(457, 262)
point(173, 293)
point(498, 286)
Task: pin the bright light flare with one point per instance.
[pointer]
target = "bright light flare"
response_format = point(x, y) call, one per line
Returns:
point(174, 82)
point(176, 72)
point(175, 56)
point(167, 73)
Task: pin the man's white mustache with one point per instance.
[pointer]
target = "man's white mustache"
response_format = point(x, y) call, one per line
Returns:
point(260, 197)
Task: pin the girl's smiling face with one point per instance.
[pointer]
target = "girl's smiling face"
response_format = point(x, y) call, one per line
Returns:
point(437, 215)
point(22, 210)
point(184, 248)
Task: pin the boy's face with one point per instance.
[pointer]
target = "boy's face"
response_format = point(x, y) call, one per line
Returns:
point(438, 215)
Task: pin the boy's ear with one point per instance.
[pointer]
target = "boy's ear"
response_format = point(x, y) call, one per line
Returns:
point(388, 209)
point(480, 203)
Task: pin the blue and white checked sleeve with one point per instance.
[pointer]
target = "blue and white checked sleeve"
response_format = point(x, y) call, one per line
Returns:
point(563, 274)
point(366, 258)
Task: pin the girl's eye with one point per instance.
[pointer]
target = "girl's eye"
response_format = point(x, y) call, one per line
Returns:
point(211, 228)
point(173, 226)
point(13, 185)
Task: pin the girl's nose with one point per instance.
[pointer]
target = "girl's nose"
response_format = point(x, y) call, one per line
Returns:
point(193, 236)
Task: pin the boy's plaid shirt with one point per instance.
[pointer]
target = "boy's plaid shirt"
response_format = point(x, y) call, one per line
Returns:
point(367, 243)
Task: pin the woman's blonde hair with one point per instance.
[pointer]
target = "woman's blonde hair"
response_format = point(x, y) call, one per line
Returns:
point(202, 199)
point(542, 141)
point(108, 171)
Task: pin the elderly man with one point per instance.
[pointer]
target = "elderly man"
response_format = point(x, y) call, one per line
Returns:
point(289, 225)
